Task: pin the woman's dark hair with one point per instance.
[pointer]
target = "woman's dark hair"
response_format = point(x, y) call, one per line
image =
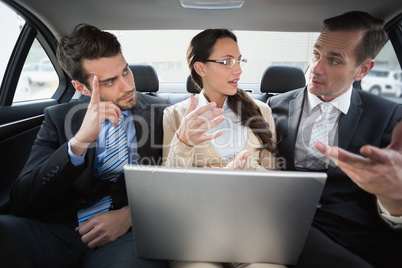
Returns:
point(85, 42)
point(241, 104)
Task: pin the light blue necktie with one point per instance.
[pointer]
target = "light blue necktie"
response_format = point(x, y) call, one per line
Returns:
point(116, 153)
point(116, 157)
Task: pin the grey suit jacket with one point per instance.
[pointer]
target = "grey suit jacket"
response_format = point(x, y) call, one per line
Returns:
point(50, 187)
point(370, 120)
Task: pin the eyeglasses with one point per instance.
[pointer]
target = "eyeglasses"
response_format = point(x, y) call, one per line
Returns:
point(230, 63)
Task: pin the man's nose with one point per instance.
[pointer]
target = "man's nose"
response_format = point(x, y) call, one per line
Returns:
point(126, 85)
point(317, 67)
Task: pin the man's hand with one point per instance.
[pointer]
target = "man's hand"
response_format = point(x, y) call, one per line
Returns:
point(377, 171)
point(105, 227)
point(97, 112)
point(195, 123)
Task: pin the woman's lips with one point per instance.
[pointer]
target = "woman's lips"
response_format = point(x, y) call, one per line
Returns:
point(234, 82)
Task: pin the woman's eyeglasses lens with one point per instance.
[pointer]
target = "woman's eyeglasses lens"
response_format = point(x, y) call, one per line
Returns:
point(232, 62)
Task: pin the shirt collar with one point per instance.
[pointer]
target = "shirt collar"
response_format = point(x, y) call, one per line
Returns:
point(127, 113)
point(202, 100)
point(342, 102)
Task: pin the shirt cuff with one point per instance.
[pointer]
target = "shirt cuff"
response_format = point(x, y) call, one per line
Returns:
point(75, 159)
point(393, 221)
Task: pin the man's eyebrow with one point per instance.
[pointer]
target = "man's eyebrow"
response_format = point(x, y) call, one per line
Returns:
point(112, 78)
point(331, 53)
point(107, 79)
point(335, 54)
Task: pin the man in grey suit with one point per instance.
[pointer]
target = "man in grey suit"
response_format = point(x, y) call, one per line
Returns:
point(356, 225)
point(67, 212)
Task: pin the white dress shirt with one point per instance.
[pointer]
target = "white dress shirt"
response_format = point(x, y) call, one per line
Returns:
point(310, 113)
point(234, 135)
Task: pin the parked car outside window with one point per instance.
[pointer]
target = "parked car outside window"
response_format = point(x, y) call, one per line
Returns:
point(383, 82)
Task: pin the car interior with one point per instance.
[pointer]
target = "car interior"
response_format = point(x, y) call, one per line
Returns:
point(32, 29)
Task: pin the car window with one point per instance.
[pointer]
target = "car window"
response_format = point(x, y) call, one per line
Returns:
point(166, 51)
point(385, 78)
point(10, 26)
point(38, 78)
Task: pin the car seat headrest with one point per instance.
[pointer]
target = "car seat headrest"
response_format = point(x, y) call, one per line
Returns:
point(145, 78)
point(282, 78)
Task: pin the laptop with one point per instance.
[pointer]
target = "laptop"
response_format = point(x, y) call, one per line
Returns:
point(219, 215)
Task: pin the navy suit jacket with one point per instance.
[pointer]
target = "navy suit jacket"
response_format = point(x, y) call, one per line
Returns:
point(50, 187)
point(370, 120)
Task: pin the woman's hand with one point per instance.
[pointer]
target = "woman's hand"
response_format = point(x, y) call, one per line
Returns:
point(197, 121)
point(240, 161)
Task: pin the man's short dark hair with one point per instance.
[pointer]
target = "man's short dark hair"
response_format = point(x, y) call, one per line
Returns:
point(85, 42)
point(374, 38)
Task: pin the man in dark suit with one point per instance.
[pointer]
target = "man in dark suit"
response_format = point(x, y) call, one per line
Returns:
point(66, 212)
point(355, 224)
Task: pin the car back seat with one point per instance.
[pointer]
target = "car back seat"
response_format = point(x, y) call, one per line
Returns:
point(145, 78)
point(275, 79)
point(278, 79)
point(147, 81)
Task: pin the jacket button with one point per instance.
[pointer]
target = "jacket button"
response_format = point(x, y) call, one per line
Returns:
point(319, 205)
point(83, 202)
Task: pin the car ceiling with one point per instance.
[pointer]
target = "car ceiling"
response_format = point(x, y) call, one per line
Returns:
point(266, 15)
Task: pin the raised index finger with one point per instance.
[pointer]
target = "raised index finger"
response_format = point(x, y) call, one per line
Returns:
point(95, 97)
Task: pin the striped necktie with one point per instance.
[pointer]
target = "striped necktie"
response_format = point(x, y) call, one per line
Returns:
point(116, 157)
point(321, 128)
point(116, 153)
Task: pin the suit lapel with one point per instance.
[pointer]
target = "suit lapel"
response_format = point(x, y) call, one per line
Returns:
point(348, 123)
point(142, 125)
point(295, 112)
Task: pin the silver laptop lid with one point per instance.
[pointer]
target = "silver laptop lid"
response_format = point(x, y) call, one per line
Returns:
point(221, 215)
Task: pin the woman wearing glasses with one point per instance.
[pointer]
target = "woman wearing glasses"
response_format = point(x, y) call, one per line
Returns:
point(222, 126)
point(222, 122)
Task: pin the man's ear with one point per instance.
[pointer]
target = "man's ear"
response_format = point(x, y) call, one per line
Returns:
point(364, 69)
point(81, 88)
point(199, 67)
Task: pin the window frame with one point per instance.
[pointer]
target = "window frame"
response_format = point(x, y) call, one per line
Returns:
point(33, 29)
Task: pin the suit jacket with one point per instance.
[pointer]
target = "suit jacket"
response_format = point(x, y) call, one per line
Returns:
point(50, 187)
point(370, 120)
point(176, 153)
